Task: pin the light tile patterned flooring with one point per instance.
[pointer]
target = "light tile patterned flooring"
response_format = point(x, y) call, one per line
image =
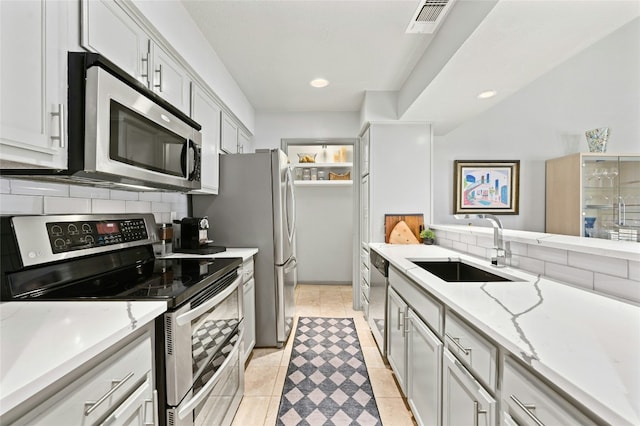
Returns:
point(267, 367)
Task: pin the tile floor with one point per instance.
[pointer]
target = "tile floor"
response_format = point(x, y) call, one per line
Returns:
point(267, 367)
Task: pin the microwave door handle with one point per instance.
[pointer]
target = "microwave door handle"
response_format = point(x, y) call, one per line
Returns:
point(206, 389)
point(186, 318)
point(184, 160)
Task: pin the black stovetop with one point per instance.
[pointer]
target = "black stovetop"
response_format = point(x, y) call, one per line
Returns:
point(130, 274)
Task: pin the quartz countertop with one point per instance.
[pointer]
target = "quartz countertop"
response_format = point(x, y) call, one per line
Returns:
point(41, 342)
point(244, 253)
point(628, 250)
point(584, 343)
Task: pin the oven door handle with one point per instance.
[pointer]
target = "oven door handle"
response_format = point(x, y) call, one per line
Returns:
point(186, 318)
point(191, 405)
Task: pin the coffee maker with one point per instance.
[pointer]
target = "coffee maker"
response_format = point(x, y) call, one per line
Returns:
point(193, 236)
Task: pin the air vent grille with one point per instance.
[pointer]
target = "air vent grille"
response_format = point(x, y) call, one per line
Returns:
point(431, 10)
point(428, 16)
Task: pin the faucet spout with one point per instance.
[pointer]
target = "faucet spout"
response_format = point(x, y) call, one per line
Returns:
point(499, 259)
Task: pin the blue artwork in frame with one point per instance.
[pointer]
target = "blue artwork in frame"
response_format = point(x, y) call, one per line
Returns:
point(485, 186)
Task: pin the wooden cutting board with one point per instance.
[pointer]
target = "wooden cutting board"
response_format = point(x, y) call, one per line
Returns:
point(415, 222)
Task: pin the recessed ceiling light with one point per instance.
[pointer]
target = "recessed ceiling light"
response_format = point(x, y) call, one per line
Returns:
point(319, 82)
point(487, 94)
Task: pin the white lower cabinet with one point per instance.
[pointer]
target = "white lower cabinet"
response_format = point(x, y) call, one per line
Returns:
point(119, 391)
point(464, 400)
point(424, 371)
point(414, 353)
point(396, 346)
point(249, 306)
point(528, 401)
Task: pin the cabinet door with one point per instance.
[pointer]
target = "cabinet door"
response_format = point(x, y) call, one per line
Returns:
point(244, 141)
point(464, 400)
point(229, 135)
point(139, 409)
point(206, 112)
point(424, 370)
point(365, 142)
point(169, 79)
point(364, 210)
point(108, 30)
point(33, 57)
point(396, 348)
point(249, 317)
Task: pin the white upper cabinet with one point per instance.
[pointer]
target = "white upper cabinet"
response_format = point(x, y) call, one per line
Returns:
point(169, 79)
point(108, 29)
point(229, 135)
point(33, 83)
point(206, 112)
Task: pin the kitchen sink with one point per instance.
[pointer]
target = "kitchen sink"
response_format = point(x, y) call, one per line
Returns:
point(453, 271)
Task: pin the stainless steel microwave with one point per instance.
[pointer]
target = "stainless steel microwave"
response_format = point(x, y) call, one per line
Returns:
point(122, 134)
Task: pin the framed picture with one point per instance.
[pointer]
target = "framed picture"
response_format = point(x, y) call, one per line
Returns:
point(486, 186)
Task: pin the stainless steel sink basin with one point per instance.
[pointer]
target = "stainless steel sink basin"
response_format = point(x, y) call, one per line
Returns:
point(456, 271)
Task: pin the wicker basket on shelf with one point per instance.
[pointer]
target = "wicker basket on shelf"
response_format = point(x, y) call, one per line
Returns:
point(337, 176)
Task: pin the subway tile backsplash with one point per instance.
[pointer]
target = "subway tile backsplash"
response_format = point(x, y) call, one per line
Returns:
point(610, 276)
point(18, 196)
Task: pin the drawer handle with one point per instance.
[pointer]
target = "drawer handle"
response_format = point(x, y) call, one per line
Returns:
point(91, 406)
point(477, 412)
point(456, 341)
point(527, 409)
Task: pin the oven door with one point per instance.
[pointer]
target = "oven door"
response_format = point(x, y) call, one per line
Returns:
point(197, 332)
point(214, 399)
point(129, 135)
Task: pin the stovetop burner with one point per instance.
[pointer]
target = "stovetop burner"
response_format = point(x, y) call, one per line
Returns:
point(127, 275)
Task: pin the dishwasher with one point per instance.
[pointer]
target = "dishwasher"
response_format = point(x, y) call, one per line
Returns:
point(378, 300)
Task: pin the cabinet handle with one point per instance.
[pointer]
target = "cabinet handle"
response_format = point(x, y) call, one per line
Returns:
point(456, 341)
point(527, 409)
point(60, 115)
point(159, 72)
point(145, 73)
point(476, 413)
point(406, 324)
point(400, 319)
point(91, 406)
point(622, 212)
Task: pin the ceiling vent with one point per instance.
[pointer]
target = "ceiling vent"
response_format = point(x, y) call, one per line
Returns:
point(428, 16)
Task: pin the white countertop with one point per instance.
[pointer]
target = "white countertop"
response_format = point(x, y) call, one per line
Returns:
point(244, 253)
point(586, 344)
point(41, 342)
point(628, 250)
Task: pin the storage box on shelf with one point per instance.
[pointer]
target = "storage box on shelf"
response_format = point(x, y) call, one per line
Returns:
point(594, 195)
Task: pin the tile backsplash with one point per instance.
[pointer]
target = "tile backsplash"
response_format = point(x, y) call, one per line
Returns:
point(18, 196)
point(601, 274)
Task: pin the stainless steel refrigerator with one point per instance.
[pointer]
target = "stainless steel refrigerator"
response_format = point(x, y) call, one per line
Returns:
point(255, 207)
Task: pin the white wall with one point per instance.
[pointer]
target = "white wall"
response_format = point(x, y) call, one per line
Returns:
point(598, 87)
point(324, 234)
point(273, 126)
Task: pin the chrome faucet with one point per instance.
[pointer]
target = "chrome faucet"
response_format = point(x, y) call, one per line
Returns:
point(499, 254)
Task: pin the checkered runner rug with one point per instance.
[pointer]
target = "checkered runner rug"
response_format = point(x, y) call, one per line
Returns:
point(327, 381)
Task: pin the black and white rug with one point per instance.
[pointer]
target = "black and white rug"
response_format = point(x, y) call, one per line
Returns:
point(327, 381)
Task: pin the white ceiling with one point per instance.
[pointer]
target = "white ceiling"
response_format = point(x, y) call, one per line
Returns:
point(273, 48)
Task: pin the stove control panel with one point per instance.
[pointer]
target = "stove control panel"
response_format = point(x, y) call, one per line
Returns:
point(79, 235)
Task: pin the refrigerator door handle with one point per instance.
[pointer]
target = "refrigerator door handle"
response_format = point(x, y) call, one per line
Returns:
point(290, 265)
point(291, 221)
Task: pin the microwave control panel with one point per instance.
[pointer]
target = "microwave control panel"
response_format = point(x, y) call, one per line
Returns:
point(79, 235)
